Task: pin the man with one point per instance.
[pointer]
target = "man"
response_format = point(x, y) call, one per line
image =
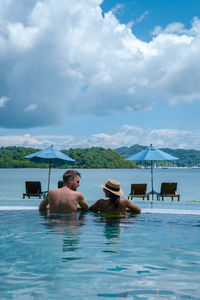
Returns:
point(65, 199)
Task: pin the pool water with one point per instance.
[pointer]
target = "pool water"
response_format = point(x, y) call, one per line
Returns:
point(89, 256)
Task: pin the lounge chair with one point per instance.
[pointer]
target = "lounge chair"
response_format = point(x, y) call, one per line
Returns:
point(168, 189)
point(33, 189)
point(60, 184)
point(138, 190)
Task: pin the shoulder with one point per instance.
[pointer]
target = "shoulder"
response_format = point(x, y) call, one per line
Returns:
point(52, 192)
point(78, 195)
point(100, 201)
point(124, 201)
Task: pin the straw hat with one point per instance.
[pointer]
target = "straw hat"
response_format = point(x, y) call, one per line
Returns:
point(113, 186)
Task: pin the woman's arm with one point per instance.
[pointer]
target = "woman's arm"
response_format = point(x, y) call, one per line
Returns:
point(95, 206)
point(131, 207)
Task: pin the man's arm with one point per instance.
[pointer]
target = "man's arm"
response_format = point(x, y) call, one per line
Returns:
point(131, 207)
point(44, 203)
point(81, 201)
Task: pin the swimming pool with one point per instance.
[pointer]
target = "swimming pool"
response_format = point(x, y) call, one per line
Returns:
point(88, 256)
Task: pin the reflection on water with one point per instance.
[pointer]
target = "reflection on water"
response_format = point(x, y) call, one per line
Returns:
point(112, 230)
point(113, 225)
point(68, 226)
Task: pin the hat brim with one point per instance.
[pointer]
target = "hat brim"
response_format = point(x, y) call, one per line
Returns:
point(118, 193)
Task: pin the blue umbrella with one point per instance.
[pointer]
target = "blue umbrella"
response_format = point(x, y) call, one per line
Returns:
point(50, 155)
point(152, 153)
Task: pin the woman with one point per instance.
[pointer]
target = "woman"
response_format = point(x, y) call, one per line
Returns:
point(114, 204)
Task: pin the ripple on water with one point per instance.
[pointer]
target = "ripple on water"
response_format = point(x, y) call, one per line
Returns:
point(143, 257)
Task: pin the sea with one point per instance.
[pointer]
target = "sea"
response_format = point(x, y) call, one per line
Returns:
point(12, 181)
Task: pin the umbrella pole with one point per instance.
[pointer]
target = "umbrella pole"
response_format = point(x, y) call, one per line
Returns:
point(49, 174)
point(152, 178)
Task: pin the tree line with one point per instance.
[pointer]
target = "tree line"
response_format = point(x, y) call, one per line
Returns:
point(94, 157)
point(97, 157)
point(187, 158)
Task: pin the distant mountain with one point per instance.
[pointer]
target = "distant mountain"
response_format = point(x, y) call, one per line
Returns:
point(126, 152)
point(187, 158)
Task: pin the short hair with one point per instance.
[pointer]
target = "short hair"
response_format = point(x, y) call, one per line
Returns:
point(70, 174)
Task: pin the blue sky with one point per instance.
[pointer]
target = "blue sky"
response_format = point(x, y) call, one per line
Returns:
point(100, 73)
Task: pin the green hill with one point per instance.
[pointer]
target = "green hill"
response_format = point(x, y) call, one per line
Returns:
point(95, 157)
point(187, 158)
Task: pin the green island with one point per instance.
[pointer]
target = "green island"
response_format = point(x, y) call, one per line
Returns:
point(98, 157)
point(89, 158)
point(187, 158)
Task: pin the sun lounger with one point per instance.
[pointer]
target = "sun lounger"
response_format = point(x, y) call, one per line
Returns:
point(168, 189)
point(138, 190)
point(33, 189)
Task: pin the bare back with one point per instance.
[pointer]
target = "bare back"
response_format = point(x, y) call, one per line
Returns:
point(64, 200)
point(106, 206)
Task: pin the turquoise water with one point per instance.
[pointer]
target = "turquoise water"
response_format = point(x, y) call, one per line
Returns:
point(151, 256)
point(87, 256)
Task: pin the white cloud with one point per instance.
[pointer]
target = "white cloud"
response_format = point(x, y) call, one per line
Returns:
point(127, 136)
point(179, 28)
point(66, 58)
point(41, 141)
point(138, 20)
point(3, 101)
point(118, 8)
point(31, 107)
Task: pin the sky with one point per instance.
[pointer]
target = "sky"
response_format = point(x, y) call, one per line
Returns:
point(100, 73)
